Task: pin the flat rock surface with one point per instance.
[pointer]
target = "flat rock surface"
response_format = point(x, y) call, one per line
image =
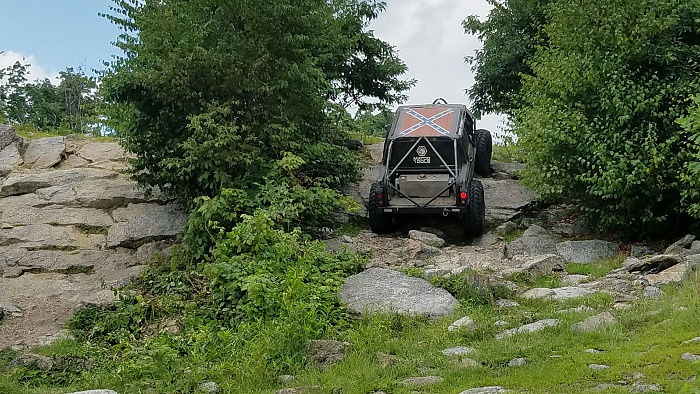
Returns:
point(384, 290)
point(585, 252)
point(55, 224)
point(505, 199)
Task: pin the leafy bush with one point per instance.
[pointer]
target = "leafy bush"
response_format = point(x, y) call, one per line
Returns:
point(260, 272)
point(599, 120)
point(690, 173)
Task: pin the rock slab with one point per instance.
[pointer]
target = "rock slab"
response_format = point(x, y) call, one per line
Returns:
point(585, 252)
point(388, 291)
point(45, 153)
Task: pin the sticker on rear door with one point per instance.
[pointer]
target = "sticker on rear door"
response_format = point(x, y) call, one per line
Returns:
point(422, 151)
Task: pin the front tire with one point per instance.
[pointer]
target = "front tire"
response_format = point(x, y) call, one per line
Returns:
point(379, 222)
point(484, 147)
point(475, 218)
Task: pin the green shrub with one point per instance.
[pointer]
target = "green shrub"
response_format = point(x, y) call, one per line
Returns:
point(260, 272)
point(599, 120)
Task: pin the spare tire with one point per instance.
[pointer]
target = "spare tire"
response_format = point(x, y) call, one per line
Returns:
point(484, 147)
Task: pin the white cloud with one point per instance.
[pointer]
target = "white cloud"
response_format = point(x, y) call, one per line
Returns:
point(36, 71)
point(431, 40)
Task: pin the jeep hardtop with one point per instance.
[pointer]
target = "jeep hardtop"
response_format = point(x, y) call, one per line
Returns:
point(430, 157)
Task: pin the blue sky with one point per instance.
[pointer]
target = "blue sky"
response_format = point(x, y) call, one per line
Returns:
point(55, 34)
point(58, 33)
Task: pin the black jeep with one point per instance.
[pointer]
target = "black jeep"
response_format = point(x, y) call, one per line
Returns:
point(430, 156)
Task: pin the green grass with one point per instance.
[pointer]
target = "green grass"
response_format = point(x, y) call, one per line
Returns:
point(367, 139)
point(595, 270)
point(646, 339)
point(512, 236)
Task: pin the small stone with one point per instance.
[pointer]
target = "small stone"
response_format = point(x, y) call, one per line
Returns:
point(464, 363)
point(689, 341)
point(427, 238)
point(287, 379)
point(574, 280)
point(653, 292)
point(421, 381)
point(638, 376)
point(517, 362)
point(555, 356)
point(598, 367)
point(8, 309)
point(485, 390)
point(579, 309)
point(690, 357)
point(503, 303)
point(95, 392)
point(324, 353)
point(347, 239)
point(500, 323)
point(594, 323)
point(562, 293)
point(209, 387)
point(33, 361)
point(529, 328)
point(645, 388)
point(458, 351)
point(386, 360)
point(682, 308)
point(593, 351)
point(464, 324)
point(603, 386)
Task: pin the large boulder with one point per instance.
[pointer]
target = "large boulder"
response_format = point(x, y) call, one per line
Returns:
point(536, 241)
point(142, 223)
point(45, 153)
point(10, 144)
point(95, 152)
point(675, 274)
point(543, 265)
point(653, 265)
point(388, 291)
point(505, 199)
point(585, 252)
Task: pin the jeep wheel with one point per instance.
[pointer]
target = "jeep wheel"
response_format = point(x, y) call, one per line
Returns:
point(379, 222)
point(482, 163)
point(475, 218)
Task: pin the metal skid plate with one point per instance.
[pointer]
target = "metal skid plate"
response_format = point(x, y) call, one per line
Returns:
point(424, 185)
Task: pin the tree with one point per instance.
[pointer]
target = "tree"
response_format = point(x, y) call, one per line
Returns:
point(15, 105)
point(72, 105)
point(210, 93)
point(511, 35)
point(599, 117)
point(78, 96)
point(374, 124)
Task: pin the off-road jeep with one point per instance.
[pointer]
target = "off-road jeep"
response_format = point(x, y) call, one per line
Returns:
point(430, 156)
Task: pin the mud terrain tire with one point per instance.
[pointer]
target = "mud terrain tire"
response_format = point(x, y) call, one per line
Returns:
point(484, 146)
point(379, 222)
point(475, 218)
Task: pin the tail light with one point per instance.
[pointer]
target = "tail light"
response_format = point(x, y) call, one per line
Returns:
point(463, 197)
point(380, 198)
